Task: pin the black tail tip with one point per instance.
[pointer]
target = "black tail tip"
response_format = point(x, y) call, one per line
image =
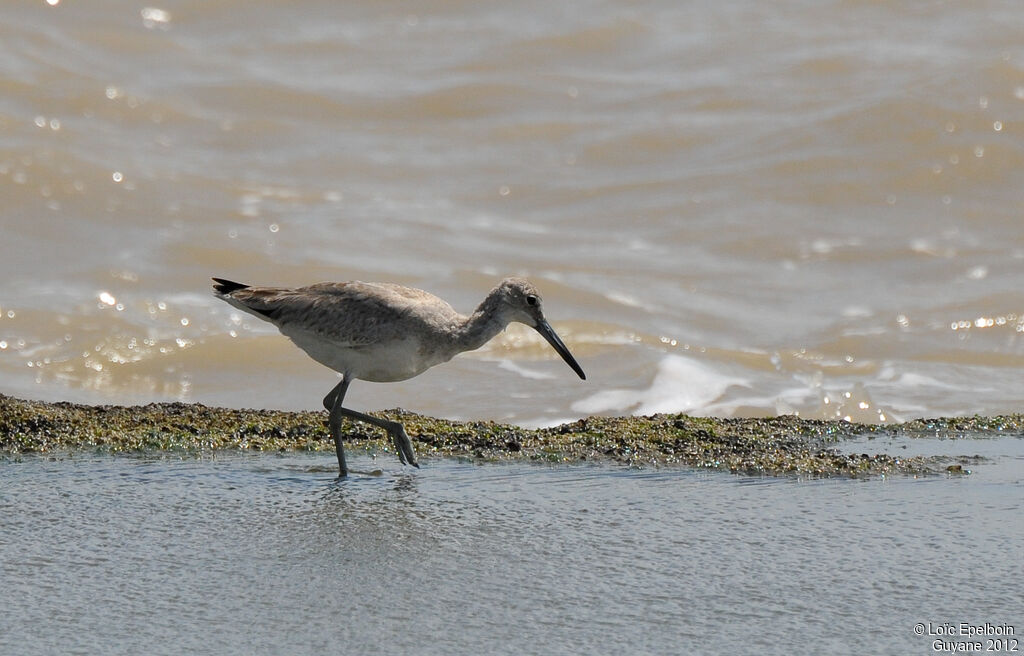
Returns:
point(223, 286)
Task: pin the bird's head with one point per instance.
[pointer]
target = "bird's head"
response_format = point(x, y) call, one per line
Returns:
point(520, 301)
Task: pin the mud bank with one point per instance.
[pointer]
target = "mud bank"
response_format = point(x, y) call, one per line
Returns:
point(784, 445)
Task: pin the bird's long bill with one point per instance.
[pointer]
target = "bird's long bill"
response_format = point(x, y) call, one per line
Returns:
point(545, 329)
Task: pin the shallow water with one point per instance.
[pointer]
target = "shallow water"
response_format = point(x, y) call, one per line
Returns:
point(732, 208)
point(270, 554)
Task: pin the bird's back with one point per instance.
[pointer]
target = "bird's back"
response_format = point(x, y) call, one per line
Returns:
point(376, 331)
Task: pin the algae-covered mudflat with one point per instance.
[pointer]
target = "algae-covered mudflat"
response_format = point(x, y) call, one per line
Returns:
point(767, 446)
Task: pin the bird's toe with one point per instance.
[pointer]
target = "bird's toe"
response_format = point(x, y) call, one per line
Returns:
point(403, 447)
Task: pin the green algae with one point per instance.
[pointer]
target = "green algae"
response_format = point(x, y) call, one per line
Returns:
point(784, 445)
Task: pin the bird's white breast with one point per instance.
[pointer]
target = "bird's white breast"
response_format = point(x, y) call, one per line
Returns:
point(396, 360)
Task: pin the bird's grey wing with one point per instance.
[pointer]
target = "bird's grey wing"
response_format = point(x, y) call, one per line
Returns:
point(349, 314)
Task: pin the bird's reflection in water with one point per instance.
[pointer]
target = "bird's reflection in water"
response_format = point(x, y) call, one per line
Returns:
point(367, 508)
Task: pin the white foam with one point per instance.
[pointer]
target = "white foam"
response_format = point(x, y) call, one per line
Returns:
point(509, 365)
point(545, 422)
point(622, 298)
point(911, 380)
point(680, 385)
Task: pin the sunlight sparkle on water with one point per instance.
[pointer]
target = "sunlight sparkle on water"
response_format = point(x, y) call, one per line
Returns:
point(986, 322)
point(153, 18)
point(978, 273)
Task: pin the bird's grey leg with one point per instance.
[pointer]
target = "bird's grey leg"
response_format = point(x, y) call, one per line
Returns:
point(340, 388)
point(403, 445)
point(333, 403)
point(333, 400)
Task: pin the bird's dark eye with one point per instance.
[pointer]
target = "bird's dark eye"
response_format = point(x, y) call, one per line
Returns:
point(531, 299)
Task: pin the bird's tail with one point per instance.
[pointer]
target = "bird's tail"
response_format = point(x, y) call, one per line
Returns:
point(224, 287)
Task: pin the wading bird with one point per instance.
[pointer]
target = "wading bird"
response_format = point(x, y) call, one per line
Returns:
point(382, 332)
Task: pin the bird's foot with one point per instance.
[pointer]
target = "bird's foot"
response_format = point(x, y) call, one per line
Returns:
point(403, 446)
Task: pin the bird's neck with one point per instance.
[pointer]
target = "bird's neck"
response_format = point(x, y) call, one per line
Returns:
point(480, 327)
